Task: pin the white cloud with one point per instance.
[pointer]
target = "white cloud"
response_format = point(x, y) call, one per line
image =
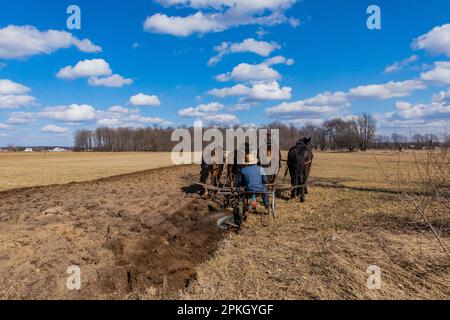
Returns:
point(4, 126)
point(437, 41)
point(85, 68)
point(255, 72)
point(208, 112)
point(218, 15)
point(443, 96)
point(114, 81)
point(326, 104)
point(237, 90)
point(184, 26)
point(54, 129)
point(110, 122)
point(144, 100)
point(154, 120)
point(223, 118)
point(329, 104)
point(279, 60)
point(118, 116)
point(24, 41)
point(434, 110)
point(16, 101)
point(433, 116)
point(399, 65)
point(20, 118)
point(327, 98)
point(440, 74)
point(258, 91)
point(262, 48)
point(250, 72)
point(10, 87)
point(388, 90)
point(201, 111)
point(72, 113)
point(120, 109)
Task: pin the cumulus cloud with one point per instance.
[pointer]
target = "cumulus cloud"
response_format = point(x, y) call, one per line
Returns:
point(97, 70)
point(443, 96)
point(326, 104)
point(10, 87)
point(440, 74)
point(279, 60)
point(15, 101)
point(218, 15)
point(255, 72)
point(144, 100)
point(434, 115)
point(123, 110)
point(85, 69)
point(109, 122)
point(387, 90)
point(257, 92)
point(208, 112)
point(329, 104)
point(118, 116)
point(184, 26)
point(250, 72)
point(400, 65)
point(114, 81)
point(437, 41)
point(201, 110)
point(25, 41)
point(20, 118)
point(262, 48)
point(72, 113)
point(54, 129)
point(154, 120)
point(13, 95)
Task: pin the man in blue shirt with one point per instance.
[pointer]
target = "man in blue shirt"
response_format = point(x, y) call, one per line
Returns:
point(253, 178)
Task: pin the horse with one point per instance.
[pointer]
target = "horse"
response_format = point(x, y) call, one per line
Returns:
point(234, 167)
point(299, 162)
point(212, 171)
point(272, 177)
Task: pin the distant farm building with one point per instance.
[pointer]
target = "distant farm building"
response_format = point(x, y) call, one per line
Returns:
point(58, 150)
point(28, 150)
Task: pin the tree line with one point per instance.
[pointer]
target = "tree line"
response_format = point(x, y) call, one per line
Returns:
point(357, 133)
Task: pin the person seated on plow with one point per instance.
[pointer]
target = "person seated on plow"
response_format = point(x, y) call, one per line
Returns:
point(254, 179)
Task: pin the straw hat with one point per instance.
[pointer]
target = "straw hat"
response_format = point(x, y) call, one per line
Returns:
point(251, 159)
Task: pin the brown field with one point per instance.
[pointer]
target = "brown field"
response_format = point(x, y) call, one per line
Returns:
point(148, 235)
point(21, 169)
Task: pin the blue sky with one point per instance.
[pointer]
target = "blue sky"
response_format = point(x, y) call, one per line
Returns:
point(144, 63)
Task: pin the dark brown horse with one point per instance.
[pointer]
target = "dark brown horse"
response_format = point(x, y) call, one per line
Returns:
point(212, 171)
point(299, 162)
point(233, 165)
point(272, 177)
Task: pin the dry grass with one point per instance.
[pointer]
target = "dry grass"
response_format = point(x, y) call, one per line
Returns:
point(19, 170)
point(353, 218)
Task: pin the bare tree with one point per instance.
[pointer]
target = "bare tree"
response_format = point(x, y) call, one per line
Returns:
point(366, 126)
